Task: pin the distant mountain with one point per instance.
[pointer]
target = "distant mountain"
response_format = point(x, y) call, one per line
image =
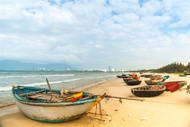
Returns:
point(17, 65)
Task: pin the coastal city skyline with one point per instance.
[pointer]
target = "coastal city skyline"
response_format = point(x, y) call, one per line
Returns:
point(131, 35)
point(16, 65)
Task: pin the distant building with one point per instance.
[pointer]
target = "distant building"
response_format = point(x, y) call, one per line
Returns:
point(109, 68)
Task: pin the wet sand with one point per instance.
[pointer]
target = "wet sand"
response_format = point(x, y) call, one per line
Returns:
point(167, 110)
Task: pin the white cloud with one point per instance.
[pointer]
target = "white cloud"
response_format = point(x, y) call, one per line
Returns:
point(183, 39)
point(96, 34)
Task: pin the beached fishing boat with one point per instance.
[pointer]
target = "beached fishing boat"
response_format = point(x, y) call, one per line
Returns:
point(173, 86)
point(182, 75)
point(152, 82)
point(156, 77)
point(186, 73)
point(48, 105)
point(146, 75)
point(132, 82)
point(156, 80)
point(148, 91)
point(123, 76)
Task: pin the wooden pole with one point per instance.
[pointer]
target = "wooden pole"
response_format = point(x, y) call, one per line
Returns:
point(136, 99)
point(49, 88)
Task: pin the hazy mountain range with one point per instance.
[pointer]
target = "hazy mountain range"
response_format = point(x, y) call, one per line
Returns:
point(17, 65)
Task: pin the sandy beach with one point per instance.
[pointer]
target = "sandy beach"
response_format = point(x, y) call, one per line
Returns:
point(167, 110)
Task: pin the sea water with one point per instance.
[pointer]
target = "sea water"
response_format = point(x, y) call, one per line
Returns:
point(69, 80)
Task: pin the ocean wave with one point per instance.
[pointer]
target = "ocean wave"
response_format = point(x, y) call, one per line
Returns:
point(6, 88)
point(33, 76)
point(71, 80)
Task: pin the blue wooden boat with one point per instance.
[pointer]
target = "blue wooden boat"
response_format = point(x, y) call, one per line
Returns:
point(48, 105)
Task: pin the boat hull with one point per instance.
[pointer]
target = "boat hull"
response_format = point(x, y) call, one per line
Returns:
point(148, 91)
point(132, 82)
point(53, 113)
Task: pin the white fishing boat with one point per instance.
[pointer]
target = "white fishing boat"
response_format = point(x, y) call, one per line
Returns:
point(47, 105)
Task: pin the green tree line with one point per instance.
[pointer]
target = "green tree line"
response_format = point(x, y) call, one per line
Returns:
point(174, 68)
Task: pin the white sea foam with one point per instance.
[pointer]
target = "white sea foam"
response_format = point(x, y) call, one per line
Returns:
point(6, 88)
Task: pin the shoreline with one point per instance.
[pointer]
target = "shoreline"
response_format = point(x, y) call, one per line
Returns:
point(166, 110)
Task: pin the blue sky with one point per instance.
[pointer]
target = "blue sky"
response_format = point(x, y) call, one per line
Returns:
point(123, 34)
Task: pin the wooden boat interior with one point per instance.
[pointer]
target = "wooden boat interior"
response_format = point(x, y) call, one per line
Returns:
point(44, 95)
